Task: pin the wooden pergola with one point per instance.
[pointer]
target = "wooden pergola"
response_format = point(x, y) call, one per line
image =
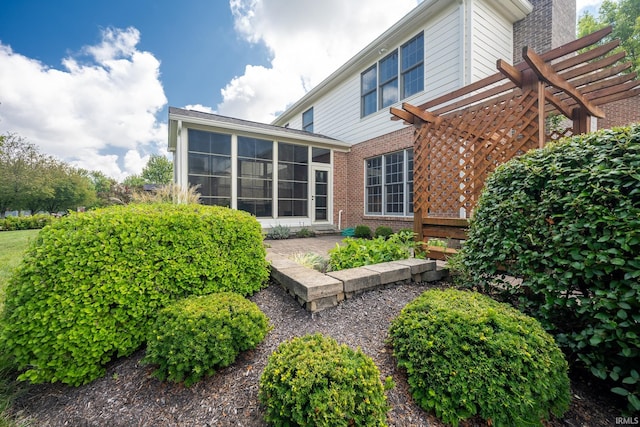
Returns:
point(461, 137)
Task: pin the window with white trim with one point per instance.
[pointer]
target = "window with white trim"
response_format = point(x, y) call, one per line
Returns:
point(389, 184)
point(412, 71)
point(379, 84)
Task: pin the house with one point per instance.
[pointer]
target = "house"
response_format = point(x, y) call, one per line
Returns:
point(335, 158)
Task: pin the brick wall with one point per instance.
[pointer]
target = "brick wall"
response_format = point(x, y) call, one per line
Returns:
point(620, 113)
point(552, 23)
point(348, 181)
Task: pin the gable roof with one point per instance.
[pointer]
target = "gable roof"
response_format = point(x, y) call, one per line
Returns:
point(243, 126)
point(515, 10)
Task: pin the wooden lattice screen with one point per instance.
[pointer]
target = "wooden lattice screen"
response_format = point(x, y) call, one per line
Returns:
point(461, 137)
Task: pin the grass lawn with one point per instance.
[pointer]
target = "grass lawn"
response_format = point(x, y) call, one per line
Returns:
point(12, 247)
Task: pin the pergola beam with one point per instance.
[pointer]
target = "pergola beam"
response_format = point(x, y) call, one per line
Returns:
point(403, 115)
point(423, 115)
point(515, 75)
point(546, 73)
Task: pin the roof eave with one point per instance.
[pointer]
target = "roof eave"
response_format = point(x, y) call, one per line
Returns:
point(175, 117)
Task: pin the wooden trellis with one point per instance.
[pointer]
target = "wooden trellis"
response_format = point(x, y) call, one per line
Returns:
point(461, 137)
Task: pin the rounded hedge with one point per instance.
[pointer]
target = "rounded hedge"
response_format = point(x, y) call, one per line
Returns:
point(314, 381)
point(383, 231)
point(194, 336)
point(91, 284)
point(467, 355)
point(566, 219)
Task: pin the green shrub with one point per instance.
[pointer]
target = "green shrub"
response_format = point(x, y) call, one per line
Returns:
point(358, 252)
point(305, 232)
point(194, 336)
point(279, 232)
point(314, 381)
point(383, 231)
point(91, 284)
point(29, 222)
point(362, 232)
point(467, 355)
point(566, 219)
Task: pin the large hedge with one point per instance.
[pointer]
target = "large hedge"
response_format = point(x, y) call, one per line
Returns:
point(467, 355)
point(566, 219)
point(90, 286)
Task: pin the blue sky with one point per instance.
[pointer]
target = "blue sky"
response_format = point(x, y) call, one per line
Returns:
point(90, 81)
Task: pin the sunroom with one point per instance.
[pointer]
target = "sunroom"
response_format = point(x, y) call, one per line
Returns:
point(282, 176)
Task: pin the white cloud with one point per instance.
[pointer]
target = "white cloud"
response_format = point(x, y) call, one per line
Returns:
point(199, 107)
point(102, 101)
point(308, 40)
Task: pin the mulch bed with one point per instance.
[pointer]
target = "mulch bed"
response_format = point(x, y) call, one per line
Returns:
point(129, 396)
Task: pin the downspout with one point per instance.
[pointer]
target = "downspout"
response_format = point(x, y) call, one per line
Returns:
point(340, 220)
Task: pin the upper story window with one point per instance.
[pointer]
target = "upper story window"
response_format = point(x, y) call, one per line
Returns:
point(307, 120)
point(368, 84)
point(389, 80)
point(413, 66)
point(379, 85)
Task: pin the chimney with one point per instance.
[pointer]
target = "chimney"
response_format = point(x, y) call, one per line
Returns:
point(552, 23)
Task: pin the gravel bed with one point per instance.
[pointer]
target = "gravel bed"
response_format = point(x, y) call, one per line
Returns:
point(129, 396)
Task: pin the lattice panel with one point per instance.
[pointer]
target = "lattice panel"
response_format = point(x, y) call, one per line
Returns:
point(559, 134)
point(453, 159)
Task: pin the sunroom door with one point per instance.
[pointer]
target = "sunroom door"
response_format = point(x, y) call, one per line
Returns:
point(321, 195)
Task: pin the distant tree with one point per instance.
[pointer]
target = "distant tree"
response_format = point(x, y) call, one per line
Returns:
point(105, 189)
point(21, 178)
point(159, 170)
point(133, 181)
point(623, 16)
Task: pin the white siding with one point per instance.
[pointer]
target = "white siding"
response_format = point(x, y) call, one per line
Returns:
point(492, 40)
point(337, 114)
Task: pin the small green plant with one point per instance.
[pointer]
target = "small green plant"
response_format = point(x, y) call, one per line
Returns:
point(279, 232)
point(383, 231)
point(362, 232)
point(314, 381)
point(437, 242)
point(311, 260)
point(305, 232)
point(358, 252)
point(467, 355)
point(193, 337)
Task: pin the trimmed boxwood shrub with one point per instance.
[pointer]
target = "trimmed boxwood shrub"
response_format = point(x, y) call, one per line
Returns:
point(314, 381)
point(362, 232)
point(383, 231)
point(91, 284)
point(194, 336)
point(566, 219)
point(467, 355)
